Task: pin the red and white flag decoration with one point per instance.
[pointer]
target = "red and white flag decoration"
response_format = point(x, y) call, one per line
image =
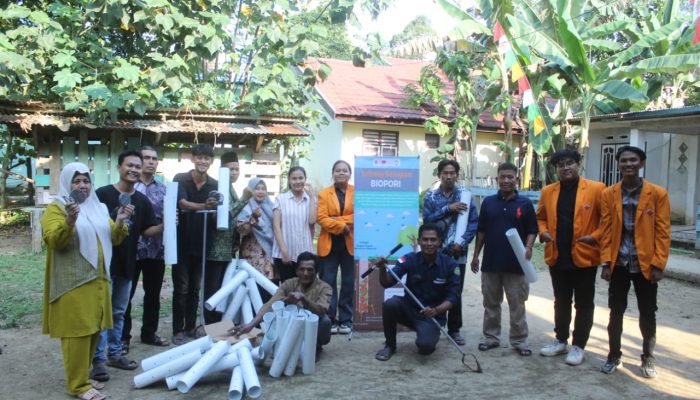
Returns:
point(696, 21)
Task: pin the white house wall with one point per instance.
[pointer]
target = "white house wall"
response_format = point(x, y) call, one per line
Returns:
point(324, 150)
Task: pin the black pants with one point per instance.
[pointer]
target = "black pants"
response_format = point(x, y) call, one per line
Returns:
point(341, 300)
point(577, 284)
point(286, 271)
point(186, 284)
point(399, 310)
point(646, 302)
point(213, 277)
point(454, 314)
point(153, 273)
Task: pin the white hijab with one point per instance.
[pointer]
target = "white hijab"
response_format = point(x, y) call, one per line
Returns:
point(93, 219)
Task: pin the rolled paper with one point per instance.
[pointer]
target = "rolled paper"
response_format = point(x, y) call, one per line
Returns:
point(226, 290)
point(197, 371)
point(202, 344)
point(236, 303)
point(235, 388)
point(222, 210)
point(308, 358)
point(163, 371)
point(293, 360)
point(519, 249)
point(247, 310)
point(261, 279)
point(228, 274)
point(250, 376)
point(170, 224)
point(254, 295)
point(171, 381)
point(288, 340)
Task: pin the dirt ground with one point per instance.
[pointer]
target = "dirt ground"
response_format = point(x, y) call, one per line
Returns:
point(31, 365)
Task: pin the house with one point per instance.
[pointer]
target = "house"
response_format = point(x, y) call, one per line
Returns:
point(367, 117)
point(671, 139)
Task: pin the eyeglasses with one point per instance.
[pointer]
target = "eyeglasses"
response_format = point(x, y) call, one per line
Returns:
point(567, 164)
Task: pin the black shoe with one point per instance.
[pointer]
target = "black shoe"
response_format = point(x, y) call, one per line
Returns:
point(610, 365)
point(648, 367)
point(385, 353)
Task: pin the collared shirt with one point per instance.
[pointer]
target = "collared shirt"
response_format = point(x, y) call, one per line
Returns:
point(224, 244)
point(436, 209)
point(431, 284)
point(497, 215)
point(295, 225)
point(566, 204)
point(190, 231)
point(319, 293)
point(627, 255)
point(152, 247)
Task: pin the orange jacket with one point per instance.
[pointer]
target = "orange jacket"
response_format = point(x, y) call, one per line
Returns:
point(332, 222)
point(586, 221)
point(652, 226)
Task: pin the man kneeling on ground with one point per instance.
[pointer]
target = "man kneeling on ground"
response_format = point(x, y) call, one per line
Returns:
point(306, 291)
point(433, 278)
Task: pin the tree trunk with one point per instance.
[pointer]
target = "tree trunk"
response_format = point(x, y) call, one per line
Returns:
point(6, 161)
point(527, 171)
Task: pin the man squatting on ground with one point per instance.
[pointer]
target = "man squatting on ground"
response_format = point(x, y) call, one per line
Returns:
point(636, 224)
point(433, 278)
point(149, 258)
point(568, 216)
point(501, 271)
point(142, 222)
point(308, 291)
point(442, 206)
point(193, 195)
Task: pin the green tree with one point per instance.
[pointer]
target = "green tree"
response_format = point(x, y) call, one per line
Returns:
point(416, 30)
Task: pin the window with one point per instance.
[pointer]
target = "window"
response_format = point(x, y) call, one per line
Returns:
point(432, 141)
point(380, 143)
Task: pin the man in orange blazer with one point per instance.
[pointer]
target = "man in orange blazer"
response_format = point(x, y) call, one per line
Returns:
point(568, 215)
point(636, 224)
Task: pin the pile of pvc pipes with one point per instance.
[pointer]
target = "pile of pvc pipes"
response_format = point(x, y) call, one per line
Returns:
point(295, 345)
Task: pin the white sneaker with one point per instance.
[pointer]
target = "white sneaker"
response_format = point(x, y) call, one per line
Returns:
point(575, 356)
point(553, 349)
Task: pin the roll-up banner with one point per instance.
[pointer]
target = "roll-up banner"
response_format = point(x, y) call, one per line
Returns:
point(386, 214)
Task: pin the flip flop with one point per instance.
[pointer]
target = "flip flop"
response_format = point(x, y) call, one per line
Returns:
point(92, 394)
point(385, 353)
point(523, 351)
point(96, 385)
point(122, 362)
point(487, 346)
point(156, 341)
point(99, 373)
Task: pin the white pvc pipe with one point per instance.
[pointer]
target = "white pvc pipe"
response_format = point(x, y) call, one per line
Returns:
point(258, 355)
point(202, 344)
point(170, 224)
point(519, 249)
point(163, 371)
point(293, 360)
point(308, 358)
point(240, 344)
point(261, 279)
point(292, 309)
point(250, 376)
point(463, 217)
point(282, 323)
point(225, 189)
point(197, 371)
point(286, 346)
point(236, 303)
point(229, 361)
point(171, 381)
point(268, 322)
point(254, 295)
point(228, 274)
point(247, 310)
point(226, 290)
point(235, 388)
point(270, 337)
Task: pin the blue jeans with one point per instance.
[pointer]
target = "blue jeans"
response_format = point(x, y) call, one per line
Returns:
point(111, 338)
point(342, 302)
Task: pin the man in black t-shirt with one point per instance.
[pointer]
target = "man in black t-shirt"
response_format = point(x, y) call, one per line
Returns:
point(193, 195)
point(142, 222)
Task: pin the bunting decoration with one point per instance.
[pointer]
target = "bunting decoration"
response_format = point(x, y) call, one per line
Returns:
point(696, 21)
point(517, 74)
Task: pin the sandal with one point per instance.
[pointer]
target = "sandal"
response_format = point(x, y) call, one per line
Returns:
point(122, 362)
point(385, 353)
point(99, 373)
point(156, 341)
point(96, 385)
point(125, 347)
point(457, 337)
point(487, 346)
point(523, 351)
point(92, 394)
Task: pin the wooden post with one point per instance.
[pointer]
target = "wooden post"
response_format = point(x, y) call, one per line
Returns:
point(36, 213)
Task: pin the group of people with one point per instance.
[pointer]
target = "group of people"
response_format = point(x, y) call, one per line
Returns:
point(102, 242)
point(624, 229)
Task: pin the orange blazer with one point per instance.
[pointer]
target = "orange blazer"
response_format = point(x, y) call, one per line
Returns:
point(652, 226)
point(332, 222)
point(586, 221)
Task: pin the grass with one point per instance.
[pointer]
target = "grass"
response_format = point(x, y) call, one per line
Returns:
point(21, 285)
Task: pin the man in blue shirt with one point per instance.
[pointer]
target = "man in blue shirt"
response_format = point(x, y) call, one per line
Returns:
point(500, 269)
point(433, 278)
point(442, 206)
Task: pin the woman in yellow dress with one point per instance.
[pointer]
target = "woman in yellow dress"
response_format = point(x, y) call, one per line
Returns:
point(79, 235)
